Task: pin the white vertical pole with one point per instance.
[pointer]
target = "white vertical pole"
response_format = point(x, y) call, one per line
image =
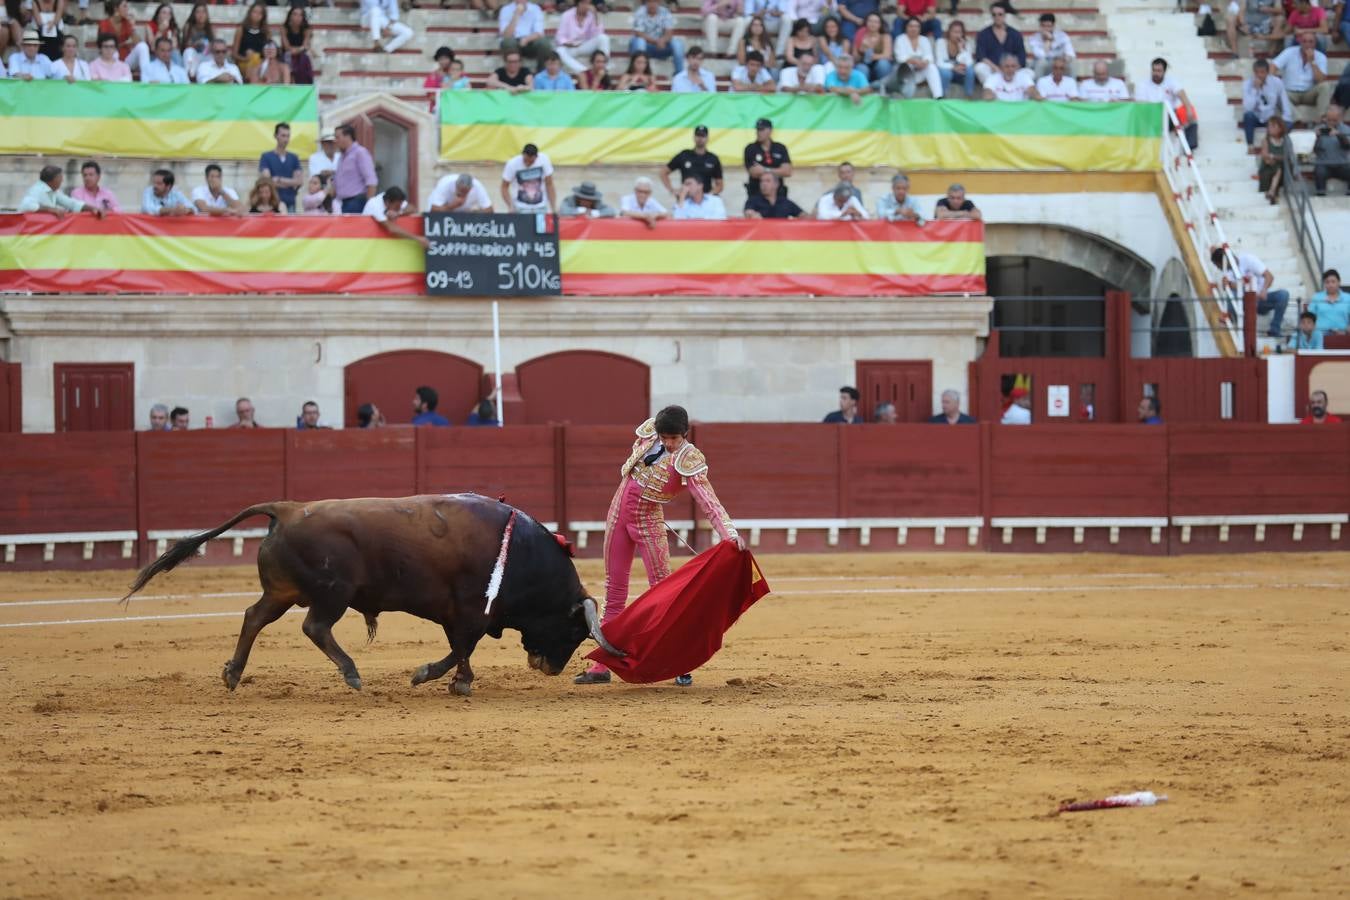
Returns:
point(497, 360)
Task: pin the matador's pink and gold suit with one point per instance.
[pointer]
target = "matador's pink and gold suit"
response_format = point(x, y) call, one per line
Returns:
point(649, 479)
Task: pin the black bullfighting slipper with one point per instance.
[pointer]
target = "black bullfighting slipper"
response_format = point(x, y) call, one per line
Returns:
point(589, 677)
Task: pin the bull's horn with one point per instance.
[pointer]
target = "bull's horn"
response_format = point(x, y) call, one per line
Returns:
point(593, 623)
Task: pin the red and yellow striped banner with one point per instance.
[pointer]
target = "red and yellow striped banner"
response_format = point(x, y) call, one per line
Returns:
point(134, 254)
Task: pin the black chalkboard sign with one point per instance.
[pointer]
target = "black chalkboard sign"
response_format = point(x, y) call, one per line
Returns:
point(492, 255)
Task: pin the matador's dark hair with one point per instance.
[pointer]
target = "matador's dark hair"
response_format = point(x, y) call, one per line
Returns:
point(672, 420)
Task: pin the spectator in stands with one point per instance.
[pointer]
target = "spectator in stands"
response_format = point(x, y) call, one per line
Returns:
point(1270, 173)
point(368, 415)
point(1304, 71)
point(553, 78)
point(1101, 87)
point(1049, 44)
point(45, 196)
point(70, 66)
point(385, 208)
point(250, 36)
point(243, 414)
point(951, 410)
point(1011, 82)
point(923, 10)
point(847, 413)
point(108, 67)
point(700, 162)
point(1263, 97)
point(899, 205)
point(378, 15)
point(161, 24)
point(1019, 411)
point(354, 179)
point(309, 417)
point(325, 159)
point(769, 203)
point(757, 40)
point(853, 15)
point(521, 26)
point(1341, 96)
point(813, 12)
point(840, 204)
point(440, 78)
point(886, 415)
point(159, 417)
point(596, 78)
point(296, 34)
point(1058, 85)
point(639, 75)
point(1163, 88)
point(264, 199)
point(218, 69)
point(161, 198)
point(654, 34)
point(318, 199)
point(197, 36)
point(766, 155)
point(213, 198)
point(693, 78)
point(459, 193)
point(28, 64)
point(484, 414)
point(775, 18)
point(1317, 411)
point(1305, 17)
point(641, 206)
point(956, 60)
point(1252, 275)
point(162, 69)
point(694, 203)
point(845, 173)
point(282, 165)
point(846, 81)
point(511, 75)
point(1330, 305)
point(586, 200)
point(425, 401)
point(918, 62)
point(272, 70)
point(581, 32)
point(527, 182)
point(874, 48)
point(1253, 17)
point(179, 419)
point(120, 25)
point(723, 15)
point(1307, 337)
point(832, 43)
point(956, 205)
point(752, 77)
point(805, 77)
point(1331, 152)
point(995, 41)
point(93, 194)
point(1149, 411)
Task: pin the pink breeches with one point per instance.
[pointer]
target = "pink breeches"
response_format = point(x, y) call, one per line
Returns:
point(633, 526)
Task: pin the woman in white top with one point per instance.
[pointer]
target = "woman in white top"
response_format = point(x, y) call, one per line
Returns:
point(914, 53)
point(70, 66)
point(955, 61)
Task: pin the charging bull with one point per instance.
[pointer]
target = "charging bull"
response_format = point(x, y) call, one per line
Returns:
point(431, 556)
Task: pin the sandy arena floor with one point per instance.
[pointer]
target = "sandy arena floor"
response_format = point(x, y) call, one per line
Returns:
point(881, 726)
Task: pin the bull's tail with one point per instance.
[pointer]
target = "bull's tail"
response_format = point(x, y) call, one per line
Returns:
point(184, 548)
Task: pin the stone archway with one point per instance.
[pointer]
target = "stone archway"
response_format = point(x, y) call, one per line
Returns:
point(1104, 259)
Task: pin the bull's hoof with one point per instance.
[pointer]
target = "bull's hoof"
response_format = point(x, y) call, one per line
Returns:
point(353, 681)
point(230, 677)
point(422, 675)
point(463, 688)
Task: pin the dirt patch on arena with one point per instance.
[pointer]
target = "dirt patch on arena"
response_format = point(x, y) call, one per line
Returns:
point(883, 725)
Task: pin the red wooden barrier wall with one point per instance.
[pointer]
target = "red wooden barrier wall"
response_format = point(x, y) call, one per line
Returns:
point(1236, 469)
point(924, 470)
point(375, 462)
point(1061, 470)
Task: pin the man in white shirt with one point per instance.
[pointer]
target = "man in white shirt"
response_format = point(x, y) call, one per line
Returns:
point(387, 207)
point(1163, 88)
point(1010, 82)
point(752, 77)
point(1252, 275)
point(1303, 68)
point(1058, 85)
point(45, 196)
point(28, 64)
point(641, 206)
point(213, 198)
point(218, 69)
point(1101, 87)
point(1049, 44)
point(459, 193)
point(694, 78)
point(161, 69)
point(521, 26)
point(693, 203)
point(377, 15)
point(1019, 413)
point(840, 204)
point(325, 159)
point(807, 77)
point(527, 182)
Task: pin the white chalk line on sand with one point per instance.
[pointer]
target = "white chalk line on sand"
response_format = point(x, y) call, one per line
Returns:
point(1024, 589)
point(74, 601)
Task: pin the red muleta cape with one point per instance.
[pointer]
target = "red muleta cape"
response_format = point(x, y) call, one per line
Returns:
point(677, 626)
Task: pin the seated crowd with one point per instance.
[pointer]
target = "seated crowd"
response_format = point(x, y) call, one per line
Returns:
point(425, 400)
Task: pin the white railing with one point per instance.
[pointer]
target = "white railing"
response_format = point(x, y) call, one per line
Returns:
point(1201, 220)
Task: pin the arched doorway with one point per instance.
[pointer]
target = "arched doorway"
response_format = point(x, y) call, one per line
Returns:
point(585, 387)
point(389, 379)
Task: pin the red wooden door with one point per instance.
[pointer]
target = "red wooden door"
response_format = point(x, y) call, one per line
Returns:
point(94, 396)
point(908, 383)
point(389, 379)
point(585, 387)
point(11, 398)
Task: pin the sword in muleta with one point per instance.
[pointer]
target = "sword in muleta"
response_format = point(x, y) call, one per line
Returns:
point(680, 539)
